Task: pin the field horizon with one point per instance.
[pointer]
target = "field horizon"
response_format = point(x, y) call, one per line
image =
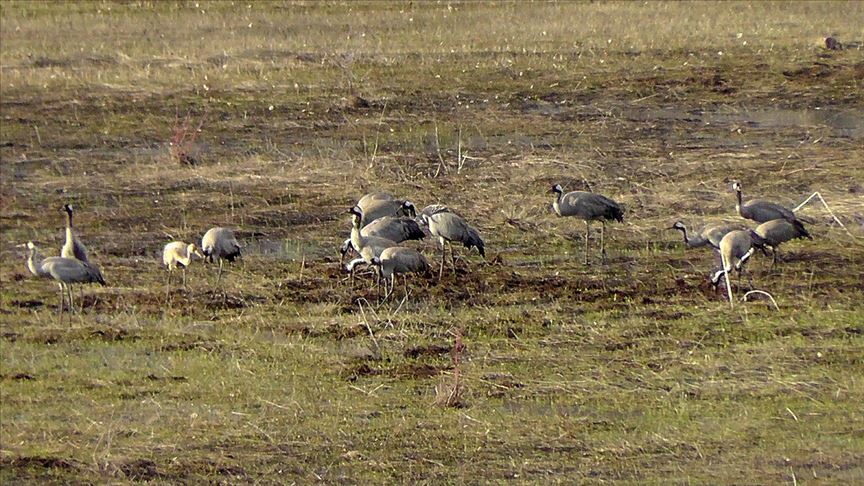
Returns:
point(157, 121)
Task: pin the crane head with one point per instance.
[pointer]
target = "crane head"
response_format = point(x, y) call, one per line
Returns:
point(67, 208)
point(736, 186)
point(344, 248)
point(678, 225)
point(193, 250)
point(409, 209)
point(557, 189)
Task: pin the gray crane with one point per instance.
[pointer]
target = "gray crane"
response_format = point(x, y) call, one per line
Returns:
point(762, 211)
point(368, 246)
point(435, 209)
point(378, 205)
point(735, 249)
point(220, 244)
point(64, 271)
point(449, 227)
point(779, 231)
point(587, 206)
point(389, 227)
point(710, 235)
point(374, 196)
point(399, 260)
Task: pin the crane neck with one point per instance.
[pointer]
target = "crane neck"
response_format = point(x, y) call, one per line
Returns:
point(738, 200)
point(185, 260)
point(31, 264)
point(683, 229)
point(556, 204)
point(355, 234)
point(68, 220)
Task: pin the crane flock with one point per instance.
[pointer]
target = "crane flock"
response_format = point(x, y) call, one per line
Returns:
point(381, 224)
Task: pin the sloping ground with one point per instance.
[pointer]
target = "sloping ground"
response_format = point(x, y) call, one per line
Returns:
point(636, 370)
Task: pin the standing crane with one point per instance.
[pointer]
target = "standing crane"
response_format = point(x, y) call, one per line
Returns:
point(64, 271)
point(588, 207)
point(220, 244)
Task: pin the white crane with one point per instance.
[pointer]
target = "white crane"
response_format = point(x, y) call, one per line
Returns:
point(178, 254)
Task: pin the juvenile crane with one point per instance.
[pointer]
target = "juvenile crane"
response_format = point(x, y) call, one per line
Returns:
point(448, 227)
point(179, 254)
point(762, 211)
point(710, 235)
point(587, 206)
point(389, 227)
point(399, 260)
point(220, 244)
point(369, 247)
point(72, 248)
point(64, 271)
point(779, 231)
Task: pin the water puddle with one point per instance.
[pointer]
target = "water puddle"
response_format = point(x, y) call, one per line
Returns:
point(841, 122)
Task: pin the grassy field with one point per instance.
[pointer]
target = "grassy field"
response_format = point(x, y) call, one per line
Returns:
point(529, 367)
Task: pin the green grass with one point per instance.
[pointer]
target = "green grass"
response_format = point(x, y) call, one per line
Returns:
point(635, 371)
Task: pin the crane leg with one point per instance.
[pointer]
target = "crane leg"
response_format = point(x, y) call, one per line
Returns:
point(727, 267)
point(184, 278)
point(773, 256)
point(452, 257)
point(443, 253)
point(219, 276)
point(71, 305)
point(602, 240)
point(62, 298)
point(587, 236)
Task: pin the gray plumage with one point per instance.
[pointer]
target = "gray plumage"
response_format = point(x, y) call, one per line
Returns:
point(369, 247)
point(588, 207)
point(396, 229)
point(374, 196)
point(735, 249)
point(374, 206)
point(778, 231)
point(64, 271)
point(72, 248)
point(399, 260)
point(220, 244)
point(391, 228)
point(435, 209)
point(709, 235)
point(762, 211)
point(449, 227)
